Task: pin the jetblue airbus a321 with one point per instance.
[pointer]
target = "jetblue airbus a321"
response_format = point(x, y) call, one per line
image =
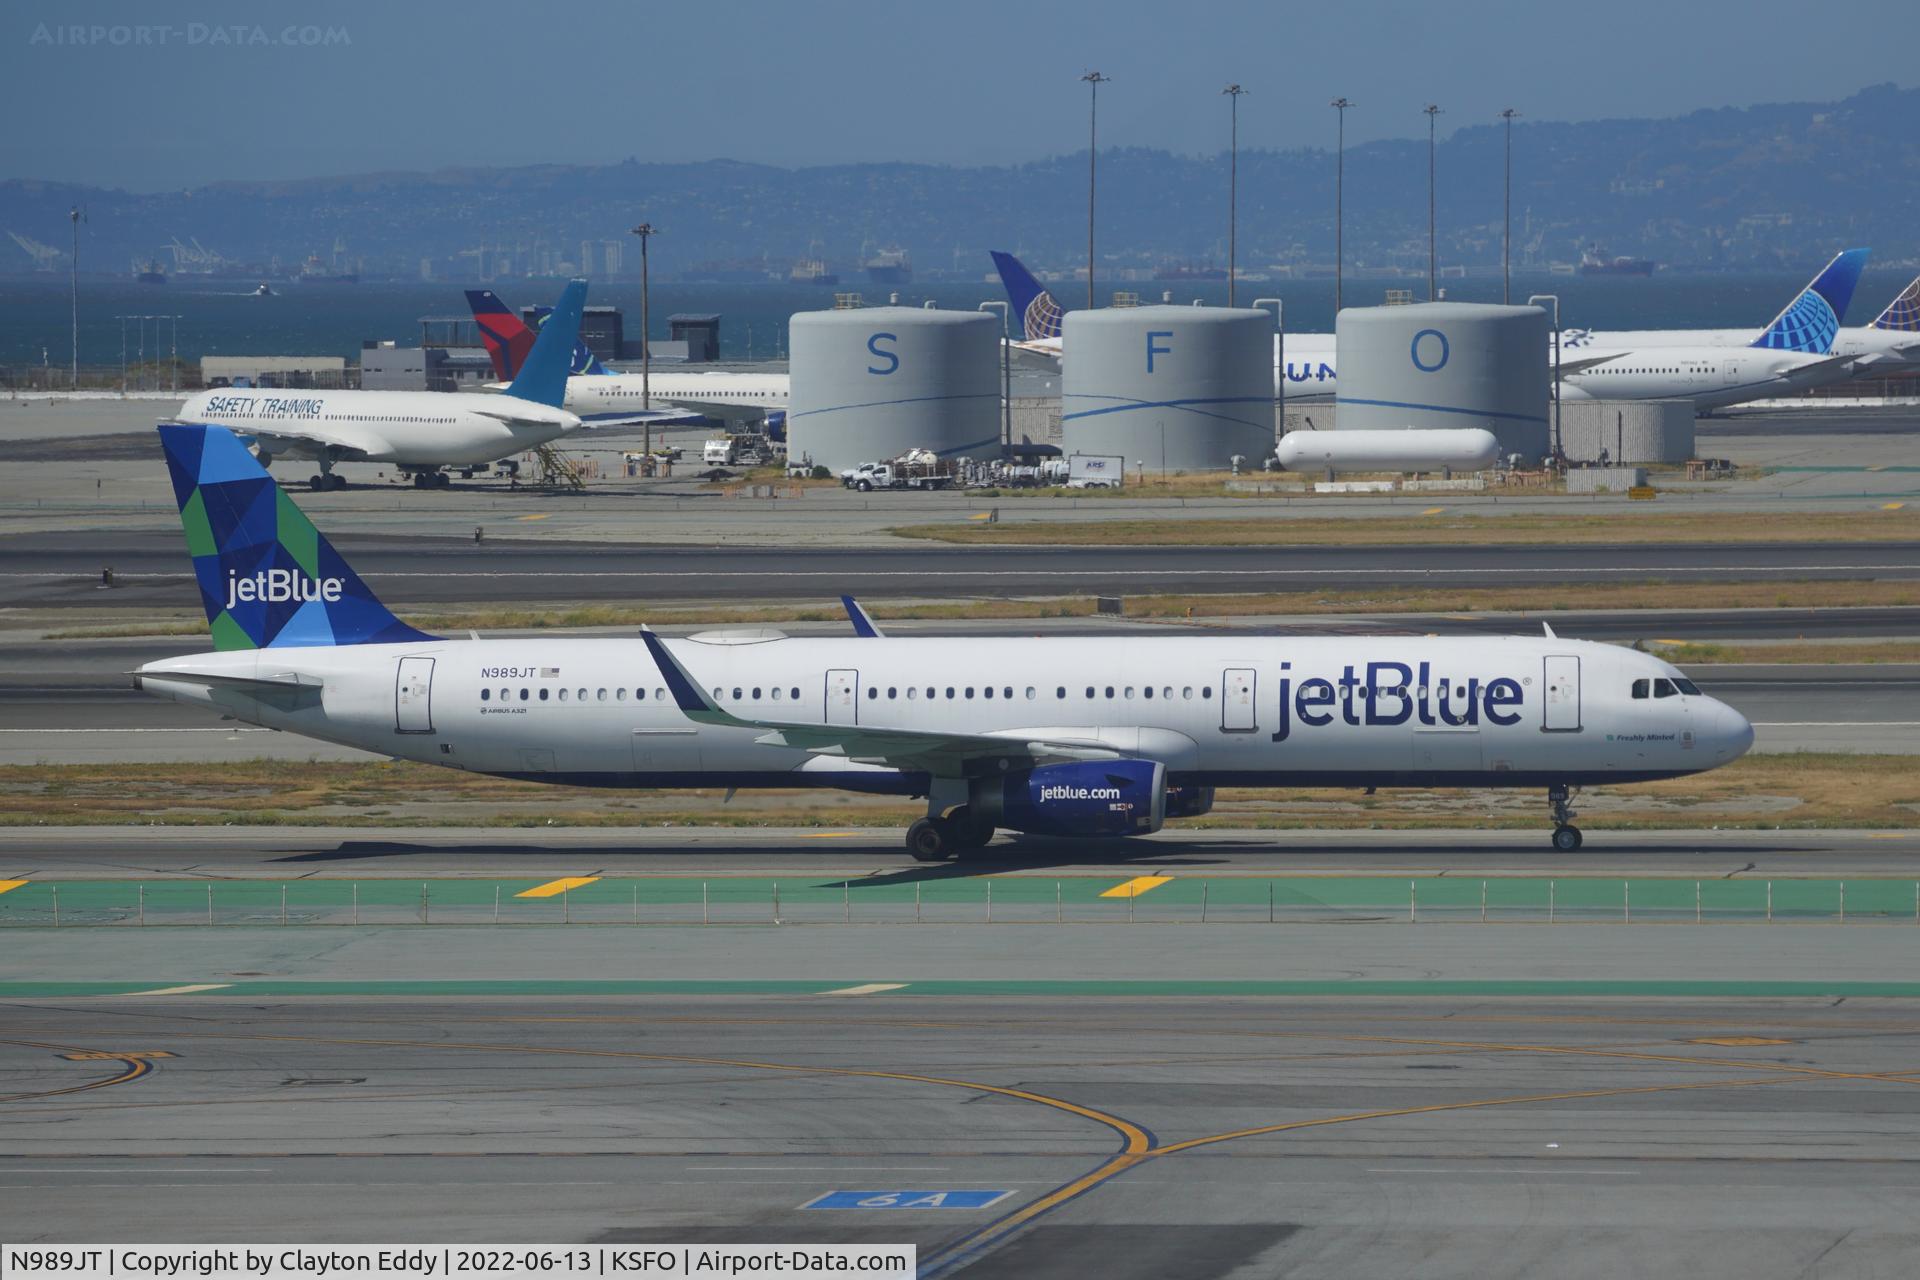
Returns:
point(1061, 736)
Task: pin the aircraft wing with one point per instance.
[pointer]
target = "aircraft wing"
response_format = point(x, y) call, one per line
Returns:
point(944, 754)
point(639, 418)
point(339, 446)
point(1587, 362)
point(1043, 355)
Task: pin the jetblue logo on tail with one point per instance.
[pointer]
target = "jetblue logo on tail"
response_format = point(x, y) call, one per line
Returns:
point(281, 586)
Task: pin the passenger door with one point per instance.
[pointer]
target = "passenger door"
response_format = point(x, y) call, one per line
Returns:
point(1560, 708)
point(843, 697)
point(413, 696)
point(1239, 709)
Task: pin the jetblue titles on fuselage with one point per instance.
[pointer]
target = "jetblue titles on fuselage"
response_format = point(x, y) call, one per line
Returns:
point(1392, 693)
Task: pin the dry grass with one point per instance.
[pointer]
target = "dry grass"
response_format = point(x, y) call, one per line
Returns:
point(1641, 525)
point(1824, 594)
point(1797, 790)
point(1847, 651)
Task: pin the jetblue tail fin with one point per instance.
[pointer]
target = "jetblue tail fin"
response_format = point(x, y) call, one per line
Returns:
point(1903, 312)
point(506, 339)
point(1039, 312)
point(1812, 321)
point(543, 378)
point(268, 578)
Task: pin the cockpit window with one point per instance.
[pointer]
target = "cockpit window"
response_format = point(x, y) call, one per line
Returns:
point(1640, 687)
point(1664, 689)
point(1688, 687)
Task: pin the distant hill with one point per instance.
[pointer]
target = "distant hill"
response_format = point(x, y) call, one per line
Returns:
point(1756, 187)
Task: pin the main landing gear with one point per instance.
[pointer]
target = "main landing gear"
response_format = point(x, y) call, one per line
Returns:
point(935, 838)
point(431, 480)
point(326, 481)
point(1566, 836)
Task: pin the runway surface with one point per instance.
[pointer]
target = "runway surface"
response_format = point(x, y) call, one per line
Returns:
point(294, 853)
point(1128, 1137)
point(63, 570)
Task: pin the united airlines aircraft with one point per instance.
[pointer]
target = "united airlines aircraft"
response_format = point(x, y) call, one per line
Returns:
point(1305, 366)
point(1060, 736)
point(420, 432)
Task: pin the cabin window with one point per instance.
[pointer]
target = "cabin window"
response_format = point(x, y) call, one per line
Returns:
point(912, 692)
point(987, 692)
point(969, 691)
point(523, 695)
point(563, 694)
point(1089, 691)
point(620, 694)
point(756, 694)
point(1206, 691)
point(543, 695)
point(892, 693)
point(736, 693)
point(600, 695)
point(581, 695)
point(872, 693)
point(1187, 692)
point(1640, 687)
point(949, 692)
point(1007, 692)
point(1109, 691)
point(794, 693)
point(1147, 691)
point(1032, 693)
point(1167, 693)
point(1061, 692)
point(776, 693)
point(486, 694)
point(1664, 689)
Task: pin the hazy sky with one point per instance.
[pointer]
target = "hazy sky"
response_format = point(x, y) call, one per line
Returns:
point(151, 95)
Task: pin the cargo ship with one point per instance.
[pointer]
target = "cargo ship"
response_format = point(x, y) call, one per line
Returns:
point(811, 271)
point(889, 266)
point(149, 272)
point(1595, 263)
point(1188, 271)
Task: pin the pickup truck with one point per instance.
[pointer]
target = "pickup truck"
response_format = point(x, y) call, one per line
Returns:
point(869, 476)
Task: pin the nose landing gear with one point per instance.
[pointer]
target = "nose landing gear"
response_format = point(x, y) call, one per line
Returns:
point(1566, 836)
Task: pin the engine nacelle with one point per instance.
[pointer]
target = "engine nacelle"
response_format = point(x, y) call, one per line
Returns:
point(1086, 798)
point(1189, 802)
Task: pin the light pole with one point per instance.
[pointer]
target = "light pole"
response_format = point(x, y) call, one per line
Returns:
point(1093, 81)
point(1233, 92)
point(1433, 259)
point(73, 292)
point(1340, 105)
point(1006, 371)
point(646, 231)
point(1506, 214)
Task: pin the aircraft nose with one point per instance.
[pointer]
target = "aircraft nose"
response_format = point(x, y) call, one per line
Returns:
point(1733, 732)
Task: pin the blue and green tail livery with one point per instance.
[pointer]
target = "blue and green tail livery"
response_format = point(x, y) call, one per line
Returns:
point(268, 578)
point(1812, 321)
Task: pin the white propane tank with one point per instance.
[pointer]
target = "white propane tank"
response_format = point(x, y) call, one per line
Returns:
point(1431, 449)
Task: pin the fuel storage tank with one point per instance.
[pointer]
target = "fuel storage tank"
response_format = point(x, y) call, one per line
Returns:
point(1168, 388)
point(871, 383)
point(1448, 364)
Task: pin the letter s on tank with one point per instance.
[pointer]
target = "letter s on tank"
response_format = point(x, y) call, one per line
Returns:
point(892, 359)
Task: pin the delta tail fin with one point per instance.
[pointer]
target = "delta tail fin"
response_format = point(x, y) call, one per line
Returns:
point(268, 578)
point(1903, 313)
point(1038, 310)
point(505, 337)
point(543, 377)
point(508, 339)
point(1812, 321)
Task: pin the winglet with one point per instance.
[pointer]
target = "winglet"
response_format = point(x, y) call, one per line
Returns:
point(1548, 630)
point(1812, 321)
point(862, 622)
point(686, 691)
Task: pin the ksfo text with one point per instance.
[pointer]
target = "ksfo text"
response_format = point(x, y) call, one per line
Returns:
point(312, 1262)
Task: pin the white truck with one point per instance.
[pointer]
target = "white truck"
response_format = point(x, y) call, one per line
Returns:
point(1095, 471)
point(918, 469)
point(744, 449)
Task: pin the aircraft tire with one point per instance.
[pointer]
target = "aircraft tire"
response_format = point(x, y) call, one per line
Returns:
point(928, 841)
point(1567, 839)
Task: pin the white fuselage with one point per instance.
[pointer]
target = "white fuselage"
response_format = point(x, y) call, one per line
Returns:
point(1251, 711)
point(731, 396)
point(1858, 340)
point(408, 428)
point(1711, 377)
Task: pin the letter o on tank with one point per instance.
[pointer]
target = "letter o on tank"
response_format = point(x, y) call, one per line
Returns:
point(1438, 346)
